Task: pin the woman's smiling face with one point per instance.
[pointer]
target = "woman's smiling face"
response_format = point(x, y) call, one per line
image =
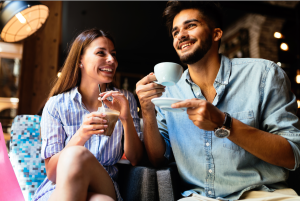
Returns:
point(99, 61)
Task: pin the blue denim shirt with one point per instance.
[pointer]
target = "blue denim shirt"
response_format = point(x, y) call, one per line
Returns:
point(254, 91)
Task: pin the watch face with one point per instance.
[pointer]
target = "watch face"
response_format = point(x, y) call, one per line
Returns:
point(221, 133)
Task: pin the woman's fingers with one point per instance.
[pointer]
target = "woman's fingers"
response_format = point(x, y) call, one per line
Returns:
point(95, 118)
point(107, 94)
point(94, 127)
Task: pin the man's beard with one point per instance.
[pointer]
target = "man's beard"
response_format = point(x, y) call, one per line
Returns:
point(198, 54)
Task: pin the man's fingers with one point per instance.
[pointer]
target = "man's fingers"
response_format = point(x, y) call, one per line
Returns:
point(149, 78)
point(151, 94)
point(151, 88)
point(190, 103)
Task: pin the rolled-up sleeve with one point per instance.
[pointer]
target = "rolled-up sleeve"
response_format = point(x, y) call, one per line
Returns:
point(279, 108)
point(53, 134)
point(163, 129)
point(135, 116)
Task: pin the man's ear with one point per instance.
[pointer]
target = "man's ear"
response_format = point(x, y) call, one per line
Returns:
point(218, 33)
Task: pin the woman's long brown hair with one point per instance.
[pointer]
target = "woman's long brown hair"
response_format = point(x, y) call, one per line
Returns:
point(71, 74)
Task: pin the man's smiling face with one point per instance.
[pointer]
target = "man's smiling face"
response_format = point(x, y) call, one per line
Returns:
point(192, 37)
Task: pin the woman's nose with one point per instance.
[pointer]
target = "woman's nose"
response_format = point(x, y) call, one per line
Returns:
point(110, 58)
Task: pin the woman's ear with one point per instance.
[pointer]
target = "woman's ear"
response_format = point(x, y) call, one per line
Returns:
point(218, 33)
point(80, 62)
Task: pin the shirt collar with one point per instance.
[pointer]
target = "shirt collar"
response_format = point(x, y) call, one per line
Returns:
point(223, 74)
point(75, 93)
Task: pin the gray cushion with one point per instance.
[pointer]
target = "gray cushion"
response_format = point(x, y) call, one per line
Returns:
point(169, 183)
point(137, 183)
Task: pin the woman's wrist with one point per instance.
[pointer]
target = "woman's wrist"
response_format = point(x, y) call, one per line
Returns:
point(126, 120)
point(79, 139)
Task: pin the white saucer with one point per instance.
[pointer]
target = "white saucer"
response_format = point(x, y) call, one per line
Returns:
point(165, 104)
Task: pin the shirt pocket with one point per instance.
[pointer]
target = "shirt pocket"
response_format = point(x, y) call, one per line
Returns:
point(247, 117)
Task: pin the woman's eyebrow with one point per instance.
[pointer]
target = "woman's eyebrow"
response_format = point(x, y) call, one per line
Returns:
point(102, 48)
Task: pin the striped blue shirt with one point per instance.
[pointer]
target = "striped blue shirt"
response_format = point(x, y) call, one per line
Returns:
point(62, 116)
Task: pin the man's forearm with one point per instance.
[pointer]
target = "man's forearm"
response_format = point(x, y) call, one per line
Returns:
point(154, 142)
point(269, 147)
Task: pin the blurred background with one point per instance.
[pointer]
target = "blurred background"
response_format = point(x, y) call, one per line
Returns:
point(268, 30)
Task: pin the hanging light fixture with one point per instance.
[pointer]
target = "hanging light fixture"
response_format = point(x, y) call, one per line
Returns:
point(20, 19)
point(298, 76)
point(284, 47)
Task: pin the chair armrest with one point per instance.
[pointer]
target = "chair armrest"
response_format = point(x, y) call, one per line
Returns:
point(168, 181)
point(137, 183)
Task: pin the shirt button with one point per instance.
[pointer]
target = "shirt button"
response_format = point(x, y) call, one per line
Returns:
point(209, 192)
point(207, 144)
point(210, 171)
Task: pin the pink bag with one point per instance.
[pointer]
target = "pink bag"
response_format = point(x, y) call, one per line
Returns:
point(9, 186)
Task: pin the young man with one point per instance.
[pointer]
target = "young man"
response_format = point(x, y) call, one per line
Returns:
point(240, 135)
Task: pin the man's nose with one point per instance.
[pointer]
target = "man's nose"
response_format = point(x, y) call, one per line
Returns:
point(182, 34)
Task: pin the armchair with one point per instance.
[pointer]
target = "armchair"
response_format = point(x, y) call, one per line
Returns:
point(136, 183)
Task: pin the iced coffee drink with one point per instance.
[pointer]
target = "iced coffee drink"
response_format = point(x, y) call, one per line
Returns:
point(112, 118)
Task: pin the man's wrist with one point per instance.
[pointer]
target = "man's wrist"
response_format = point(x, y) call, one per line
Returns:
point(148, 112)
point(221, 119)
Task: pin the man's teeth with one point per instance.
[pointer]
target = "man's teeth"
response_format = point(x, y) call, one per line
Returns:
point(106, 69)
point(188, 44)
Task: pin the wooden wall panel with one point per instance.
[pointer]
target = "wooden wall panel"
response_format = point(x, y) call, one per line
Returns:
point(40, 61)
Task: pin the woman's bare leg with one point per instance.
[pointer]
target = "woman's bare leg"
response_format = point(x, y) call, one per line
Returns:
point(78, 172)
point(98, 197)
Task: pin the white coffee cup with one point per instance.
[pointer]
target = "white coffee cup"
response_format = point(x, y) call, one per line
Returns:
point(168, 73)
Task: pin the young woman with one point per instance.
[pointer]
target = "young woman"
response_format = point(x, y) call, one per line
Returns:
point(79, 160)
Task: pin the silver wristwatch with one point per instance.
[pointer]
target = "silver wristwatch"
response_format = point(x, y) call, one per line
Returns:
point(224, 131)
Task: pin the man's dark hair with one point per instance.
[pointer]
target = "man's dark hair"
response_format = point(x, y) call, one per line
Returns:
point(210, 11)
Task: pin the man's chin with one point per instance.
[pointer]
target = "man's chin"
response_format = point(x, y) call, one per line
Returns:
point(189, 59)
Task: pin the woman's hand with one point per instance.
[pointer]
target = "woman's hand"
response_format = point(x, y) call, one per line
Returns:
point(93, 123)
point(119, 103)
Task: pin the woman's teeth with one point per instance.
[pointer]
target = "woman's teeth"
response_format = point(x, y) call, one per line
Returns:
point(106, 69)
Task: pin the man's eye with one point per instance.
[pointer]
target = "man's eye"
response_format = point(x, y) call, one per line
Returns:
point(191, 25)
point(175, 33)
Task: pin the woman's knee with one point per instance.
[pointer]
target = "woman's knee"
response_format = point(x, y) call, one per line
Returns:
point(75, 158)
point(98, 197)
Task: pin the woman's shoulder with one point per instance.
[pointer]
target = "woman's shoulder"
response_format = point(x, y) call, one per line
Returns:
point(60, 99)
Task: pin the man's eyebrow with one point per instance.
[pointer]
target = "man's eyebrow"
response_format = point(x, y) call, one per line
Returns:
point(186, 22)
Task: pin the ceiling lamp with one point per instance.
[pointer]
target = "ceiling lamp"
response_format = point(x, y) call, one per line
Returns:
point(284, 47)
point(20, 19)
point(278, 35)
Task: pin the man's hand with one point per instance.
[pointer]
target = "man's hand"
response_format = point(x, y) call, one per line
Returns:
point(203, 114)
point(147, 90)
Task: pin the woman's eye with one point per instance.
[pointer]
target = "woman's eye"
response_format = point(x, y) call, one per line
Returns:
point(114, 54)
point(100, 52)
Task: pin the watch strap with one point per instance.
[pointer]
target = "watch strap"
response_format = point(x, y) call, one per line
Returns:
point(227, 121)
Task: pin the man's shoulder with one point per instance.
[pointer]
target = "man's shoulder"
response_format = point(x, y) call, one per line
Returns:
point(252, 61)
